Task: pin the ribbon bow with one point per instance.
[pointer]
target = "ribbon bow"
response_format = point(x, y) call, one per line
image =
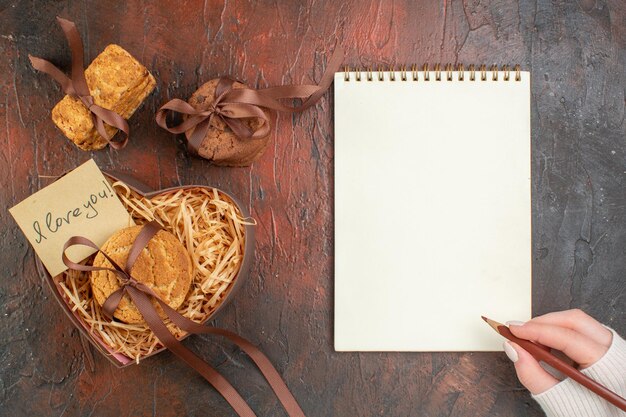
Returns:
point(76, 86)
point(234, 105)
point(141, 294)
point(223, 107)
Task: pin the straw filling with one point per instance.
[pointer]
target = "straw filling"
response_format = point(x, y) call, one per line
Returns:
point(212, 229)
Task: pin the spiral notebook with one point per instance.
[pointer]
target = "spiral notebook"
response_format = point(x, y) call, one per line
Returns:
point(432, 207)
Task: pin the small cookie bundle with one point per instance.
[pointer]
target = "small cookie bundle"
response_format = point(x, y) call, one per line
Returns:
point(99, 99)
point(220, 144)
point(228, 123)
point(117, 82)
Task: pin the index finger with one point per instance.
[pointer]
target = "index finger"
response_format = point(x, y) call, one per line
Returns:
point(578, 347)
point(579, 321)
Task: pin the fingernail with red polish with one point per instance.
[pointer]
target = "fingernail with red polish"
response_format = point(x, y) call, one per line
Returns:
point(510, 352)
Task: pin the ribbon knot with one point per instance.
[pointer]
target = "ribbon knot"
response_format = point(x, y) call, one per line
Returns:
point(87, 101)
point(130, 281)
point(76, 86)
point(234, 105)
point(126, 280)
point(126, 283)
point(225, 106)
point(141, 296)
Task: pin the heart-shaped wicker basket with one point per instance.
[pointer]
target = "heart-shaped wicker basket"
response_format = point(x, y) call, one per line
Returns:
point(62, 288)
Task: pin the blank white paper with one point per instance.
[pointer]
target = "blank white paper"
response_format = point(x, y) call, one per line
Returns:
point(432, 211)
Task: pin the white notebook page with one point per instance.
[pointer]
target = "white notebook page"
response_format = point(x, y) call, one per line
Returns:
point(432, 211)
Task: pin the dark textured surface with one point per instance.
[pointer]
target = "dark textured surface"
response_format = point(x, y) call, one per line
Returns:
point(576, 52)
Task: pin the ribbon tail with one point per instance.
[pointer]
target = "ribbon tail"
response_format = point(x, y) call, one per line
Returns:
point(112, 301)
point(224, 85)
point(161, 331)
point(327, 78)
point(264, 365)
point(56, 74)
point(76, 48)
point(239, 128)
point(303, 91)
point(141, 242)
point(197, 136)
point(99, 124)
point(269, 97)
point(234, 112)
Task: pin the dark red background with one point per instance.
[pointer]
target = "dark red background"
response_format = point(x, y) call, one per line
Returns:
point(576, 53)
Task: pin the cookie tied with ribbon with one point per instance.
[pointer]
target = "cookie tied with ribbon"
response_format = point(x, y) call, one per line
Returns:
point(229, 123)
point(99, 99)
point(165, 266)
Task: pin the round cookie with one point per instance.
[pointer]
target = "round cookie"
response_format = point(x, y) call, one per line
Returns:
point(164, 265)
point(220, 145)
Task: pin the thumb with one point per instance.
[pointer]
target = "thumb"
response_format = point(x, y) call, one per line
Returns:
point(528, 370)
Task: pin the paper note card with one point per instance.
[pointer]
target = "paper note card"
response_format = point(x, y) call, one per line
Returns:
point(81, 203)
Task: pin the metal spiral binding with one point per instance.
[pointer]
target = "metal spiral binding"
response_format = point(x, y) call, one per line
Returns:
point(448, 69)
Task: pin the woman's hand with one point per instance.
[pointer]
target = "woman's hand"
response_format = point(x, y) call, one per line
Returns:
point(573, 332)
